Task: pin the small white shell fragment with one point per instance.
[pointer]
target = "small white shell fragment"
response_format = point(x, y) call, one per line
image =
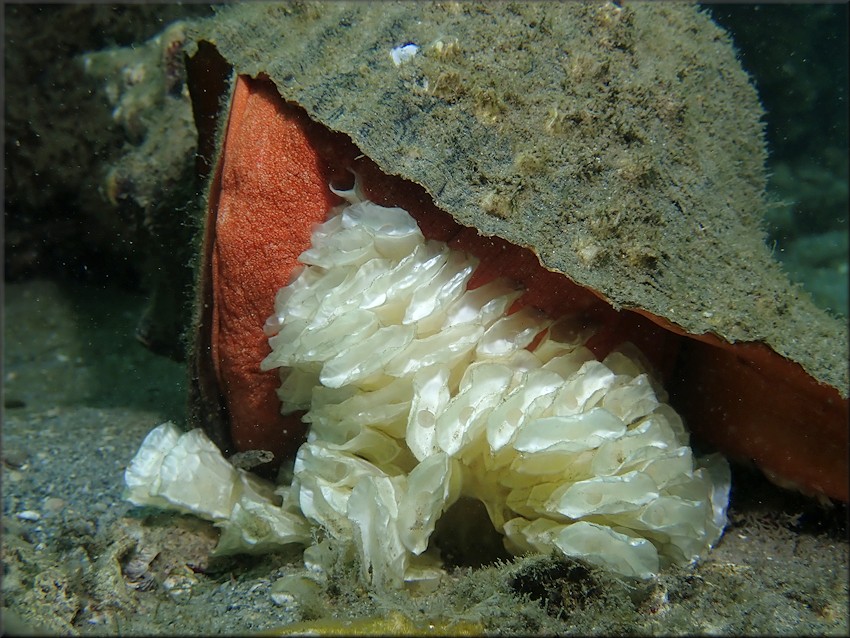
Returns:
point(180, 586)
point(403, 53)
point(29, 515)
point(296, 591)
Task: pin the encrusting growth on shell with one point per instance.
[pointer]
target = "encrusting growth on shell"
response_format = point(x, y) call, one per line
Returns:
point(419, 391)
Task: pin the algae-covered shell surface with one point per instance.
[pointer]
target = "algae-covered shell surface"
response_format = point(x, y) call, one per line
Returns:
point(623, 145)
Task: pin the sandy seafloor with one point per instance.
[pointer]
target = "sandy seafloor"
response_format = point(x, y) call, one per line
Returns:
point(80, 395)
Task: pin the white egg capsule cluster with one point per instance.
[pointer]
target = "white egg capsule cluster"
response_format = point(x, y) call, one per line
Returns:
point(419, 391)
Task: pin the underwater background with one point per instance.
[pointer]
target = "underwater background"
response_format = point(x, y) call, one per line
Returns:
point(80, 392)
point(796, 54)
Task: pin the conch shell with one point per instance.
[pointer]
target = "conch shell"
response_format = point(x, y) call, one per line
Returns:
point(620, 145)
